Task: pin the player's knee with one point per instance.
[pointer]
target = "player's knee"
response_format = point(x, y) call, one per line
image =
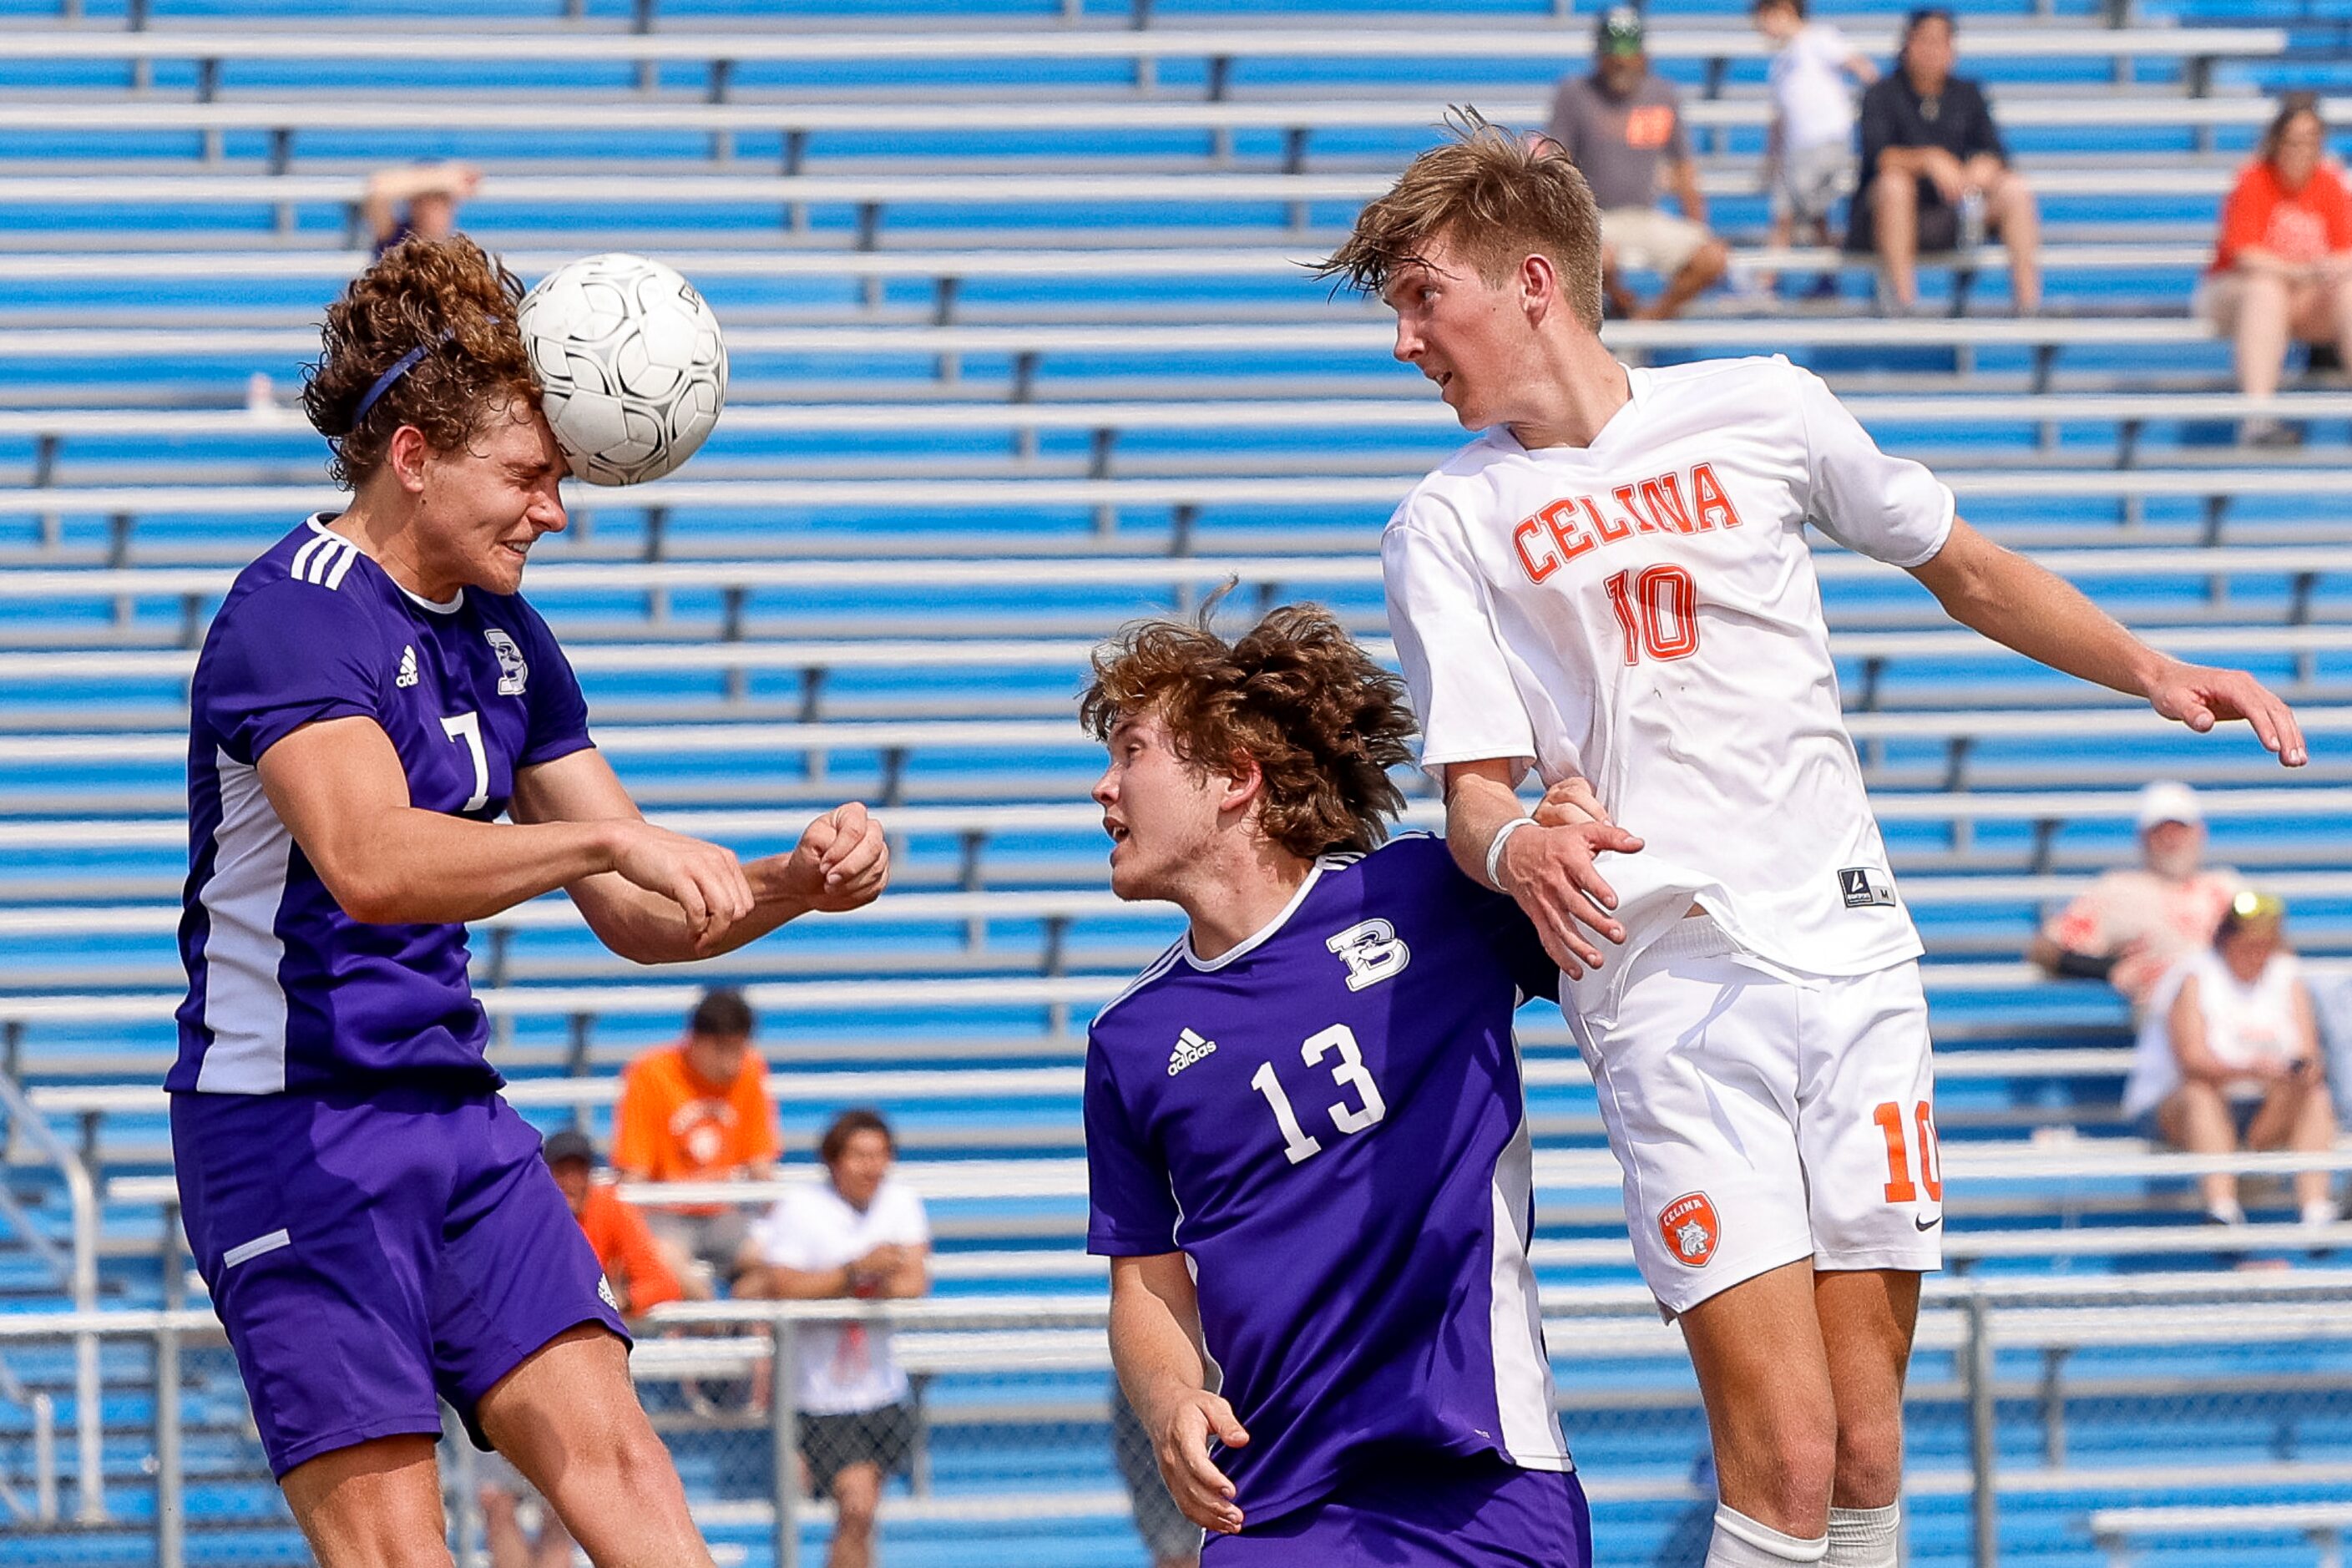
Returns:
point(1891, 193)
point(1869, 1463)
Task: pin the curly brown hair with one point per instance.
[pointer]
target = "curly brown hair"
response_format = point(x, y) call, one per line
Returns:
point(1497, 197)
point(1295, 694)
point(447, 297)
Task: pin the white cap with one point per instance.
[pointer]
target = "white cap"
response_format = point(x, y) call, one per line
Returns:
point(2169, 800)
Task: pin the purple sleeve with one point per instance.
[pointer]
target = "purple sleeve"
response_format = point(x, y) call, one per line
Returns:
point(1516, 943)
point(558, 712)
point(282, 656)
point(1130, 1208)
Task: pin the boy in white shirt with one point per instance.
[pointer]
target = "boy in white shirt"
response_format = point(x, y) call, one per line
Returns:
point(1810, 154)
point(863, 1234)
point(1612, 585)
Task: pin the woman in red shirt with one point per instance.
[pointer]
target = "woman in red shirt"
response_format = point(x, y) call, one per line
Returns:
point(2283, 267)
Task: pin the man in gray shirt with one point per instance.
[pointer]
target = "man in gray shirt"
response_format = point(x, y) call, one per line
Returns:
point(1622, 126)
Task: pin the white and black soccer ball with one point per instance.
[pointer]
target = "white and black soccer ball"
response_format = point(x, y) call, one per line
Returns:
point(633, 363)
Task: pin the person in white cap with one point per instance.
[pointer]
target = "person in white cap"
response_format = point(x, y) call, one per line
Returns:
point(2135, 923)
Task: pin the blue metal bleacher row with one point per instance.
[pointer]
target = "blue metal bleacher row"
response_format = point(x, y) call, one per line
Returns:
point(1022, 347)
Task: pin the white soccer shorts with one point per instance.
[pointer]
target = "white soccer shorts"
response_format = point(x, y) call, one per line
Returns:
point(1762, 1118)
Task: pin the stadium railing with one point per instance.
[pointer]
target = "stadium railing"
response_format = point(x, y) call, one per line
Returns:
point(2118, 1531)
point(1139, 49)
point(2022, 107)
point(1983, 1345)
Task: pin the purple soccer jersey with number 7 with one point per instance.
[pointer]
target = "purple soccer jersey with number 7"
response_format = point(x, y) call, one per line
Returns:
point(1329, 1123)
point(285, 990)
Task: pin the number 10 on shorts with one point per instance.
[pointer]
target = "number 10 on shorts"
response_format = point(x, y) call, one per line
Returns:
point(1899, 1187)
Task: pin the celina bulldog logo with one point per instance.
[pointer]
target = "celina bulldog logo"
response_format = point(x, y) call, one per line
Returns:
point(1691, 1229)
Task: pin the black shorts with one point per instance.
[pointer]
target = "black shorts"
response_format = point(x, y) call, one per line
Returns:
point(831, 1444)
point(1940, 223)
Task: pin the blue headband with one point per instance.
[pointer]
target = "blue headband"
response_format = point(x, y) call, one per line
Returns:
point(400, 367)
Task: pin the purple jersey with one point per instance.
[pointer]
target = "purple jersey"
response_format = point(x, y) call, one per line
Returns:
point(286, 991)
point(1328, 1122)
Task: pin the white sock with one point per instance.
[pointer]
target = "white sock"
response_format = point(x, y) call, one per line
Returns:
point(1865, 1537)
point(2321, 1211)
point(1742, 1543)
point(2225, 1212)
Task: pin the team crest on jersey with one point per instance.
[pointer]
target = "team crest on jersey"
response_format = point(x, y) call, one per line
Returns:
point(1189, 1049)
point(1690, 1229)
point(407, 675)
point(1371, 950)
point(512, 672)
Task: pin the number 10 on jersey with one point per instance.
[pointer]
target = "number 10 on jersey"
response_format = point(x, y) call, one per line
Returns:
point(1298, 1144)
point(1657, 609)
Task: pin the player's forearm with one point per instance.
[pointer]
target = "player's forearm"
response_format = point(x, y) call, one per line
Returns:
point(412, 867)
point(1157, 1355)
point(1478, 805)
point(2040, 614)
point(646, 927)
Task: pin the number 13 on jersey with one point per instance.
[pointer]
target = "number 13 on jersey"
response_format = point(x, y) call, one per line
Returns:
point(1298, 1144)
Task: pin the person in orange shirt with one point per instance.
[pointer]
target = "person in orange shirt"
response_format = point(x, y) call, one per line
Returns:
point(699, 1111)
point(2283, 267)
point(640, 1277)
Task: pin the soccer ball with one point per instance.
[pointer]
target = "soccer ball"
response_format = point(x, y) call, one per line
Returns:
point(632, 364)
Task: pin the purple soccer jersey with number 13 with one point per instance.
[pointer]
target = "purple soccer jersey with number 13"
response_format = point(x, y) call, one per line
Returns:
point(1328, 1122)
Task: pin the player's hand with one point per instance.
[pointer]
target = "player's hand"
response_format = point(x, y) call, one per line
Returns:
point(2201, 697)
point(1549, 871)
point(703, 880)
point(843, 861)
point(1179, 1440)
point(1570, 802)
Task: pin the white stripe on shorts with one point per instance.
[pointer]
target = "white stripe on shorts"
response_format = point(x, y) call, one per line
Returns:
point(245, 1252)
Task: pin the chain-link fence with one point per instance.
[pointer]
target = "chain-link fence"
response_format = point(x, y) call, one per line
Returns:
point(2033, 1404)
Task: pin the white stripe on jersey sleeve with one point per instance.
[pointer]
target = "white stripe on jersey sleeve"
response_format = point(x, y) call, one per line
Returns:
point(244, 1005)
point(301, 561)
point(343, 564)
point(1523, 1388)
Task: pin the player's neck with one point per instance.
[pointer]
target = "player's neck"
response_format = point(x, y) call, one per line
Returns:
point(384, 537)
point(1232, 902)
point(1576, 388)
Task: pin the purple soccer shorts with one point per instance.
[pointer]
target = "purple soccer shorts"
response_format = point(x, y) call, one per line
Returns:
point(371, 1250)
point(1433, 1511)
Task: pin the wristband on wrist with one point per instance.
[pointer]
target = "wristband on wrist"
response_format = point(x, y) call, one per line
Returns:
point(1494, 850)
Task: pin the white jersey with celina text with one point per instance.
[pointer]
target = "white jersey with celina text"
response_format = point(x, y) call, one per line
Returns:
point(1643, 612)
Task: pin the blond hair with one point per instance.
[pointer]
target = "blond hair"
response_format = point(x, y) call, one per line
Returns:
point(1496, 198)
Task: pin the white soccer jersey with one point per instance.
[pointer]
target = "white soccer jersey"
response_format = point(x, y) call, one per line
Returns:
point(1643, 612)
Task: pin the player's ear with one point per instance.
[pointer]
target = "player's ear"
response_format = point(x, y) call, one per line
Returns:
point(1539, 287)
point(1241, 783)
point(405, 454)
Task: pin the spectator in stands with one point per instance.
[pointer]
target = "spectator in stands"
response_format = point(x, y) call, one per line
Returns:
point(699, 1111)
point(1623, 127)
point(1934, 175)
point(1173, 1541)
point(2134, 925)
point(2283, 267)
point(421, 200)
point(2234, 1063)
point(519, 1528)
point(1809, 152)
point(640, 1277)
point(861, 1234)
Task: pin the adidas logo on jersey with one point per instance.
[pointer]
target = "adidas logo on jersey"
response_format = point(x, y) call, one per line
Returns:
point(1189, 1049)
point(408, 676)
